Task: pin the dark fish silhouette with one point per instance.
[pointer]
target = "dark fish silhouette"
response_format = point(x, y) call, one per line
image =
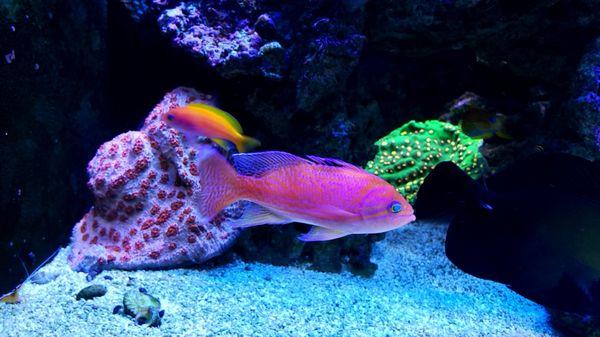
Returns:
point(534, 227)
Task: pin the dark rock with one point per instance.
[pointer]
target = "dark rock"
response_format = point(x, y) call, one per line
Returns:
point(90, 292)
point(52, 71)
point(265, 27)
point(527, 38)
point(141, 8)
point(583, 118)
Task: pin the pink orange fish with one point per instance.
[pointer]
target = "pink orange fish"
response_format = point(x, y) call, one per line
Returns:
point(199, 119)
point(335, 197)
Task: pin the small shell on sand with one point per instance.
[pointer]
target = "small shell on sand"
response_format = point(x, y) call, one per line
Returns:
point(90, 292)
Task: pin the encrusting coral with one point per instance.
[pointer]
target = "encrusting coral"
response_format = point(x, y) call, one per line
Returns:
point(409, 153)
point(144, 183)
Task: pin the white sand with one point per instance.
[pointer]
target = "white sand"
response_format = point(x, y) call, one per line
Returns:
point(415, 292)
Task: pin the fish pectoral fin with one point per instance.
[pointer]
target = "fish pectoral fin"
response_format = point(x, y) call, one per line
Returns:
point(255, 215)
point(332, 211)
point(321, 234)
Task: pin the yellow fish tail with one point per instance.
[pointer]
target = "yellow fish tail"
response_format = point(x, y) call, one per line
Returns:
point(247, 143)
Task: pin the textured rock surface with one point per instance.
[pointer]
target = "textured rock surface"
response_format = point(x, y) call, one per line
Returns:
point(526, 38)
point(314, 43)
point(220, 32)
point(144, 216)
point(584, 107)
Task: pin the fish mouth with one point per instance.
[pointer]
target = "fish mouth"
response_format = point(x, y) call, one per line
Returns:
point(406, 219)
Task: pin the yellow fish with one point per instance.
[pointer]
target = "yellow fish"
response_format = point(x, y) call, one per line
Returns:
point(484, 124)
point(199, 119)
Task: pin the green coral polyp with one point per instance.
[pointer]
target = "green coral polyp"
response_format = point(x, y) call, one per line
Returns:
point(409, 153)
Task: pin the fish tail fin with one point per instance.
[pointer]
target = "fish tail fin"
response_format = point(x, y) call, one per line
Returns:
point(503, 134)
point(247, 143)
point(220, 184)
point(500, 127)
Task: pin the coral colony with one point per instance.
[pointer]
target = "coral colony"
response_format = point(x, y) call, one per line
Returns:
point(144, 183)
point(409, 153)
point(227, 41)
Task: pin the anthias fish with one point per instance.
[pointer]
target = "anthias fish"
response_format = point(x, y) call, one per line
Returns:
point(199, 119)
point(534, 226)
point(335, 197)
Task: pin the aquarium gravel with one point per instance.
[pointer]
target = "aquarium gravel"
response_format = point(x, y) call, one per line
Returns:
point(415, 292)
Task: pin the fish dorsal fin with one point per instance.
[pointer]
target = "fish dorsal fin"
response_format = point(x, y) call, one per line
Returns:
point(259, 163)
point(331, 162)
point(229, 118)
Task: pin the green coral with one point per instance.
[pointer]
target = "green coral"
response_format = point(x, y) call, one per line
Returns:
point(409, 153)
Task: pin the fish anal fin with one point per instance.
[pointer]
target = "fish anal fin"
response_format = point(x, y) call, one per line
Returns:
point(321, 234)
point(255, 215)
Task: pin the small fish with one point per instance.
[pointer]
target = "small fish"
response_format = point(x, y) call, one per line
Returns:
point(13, 296)
point(335, 197)
point(534, 226)
point(476, 120)
point(484, 124)
point(199, 119)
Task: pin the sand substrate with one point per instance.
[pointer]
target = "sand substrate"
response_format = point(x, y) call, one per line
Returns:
point(415, 292)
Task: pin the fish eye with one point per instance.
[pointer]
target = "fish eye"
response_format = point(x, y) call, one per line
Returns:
point(170, 117)
point(395, 207)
